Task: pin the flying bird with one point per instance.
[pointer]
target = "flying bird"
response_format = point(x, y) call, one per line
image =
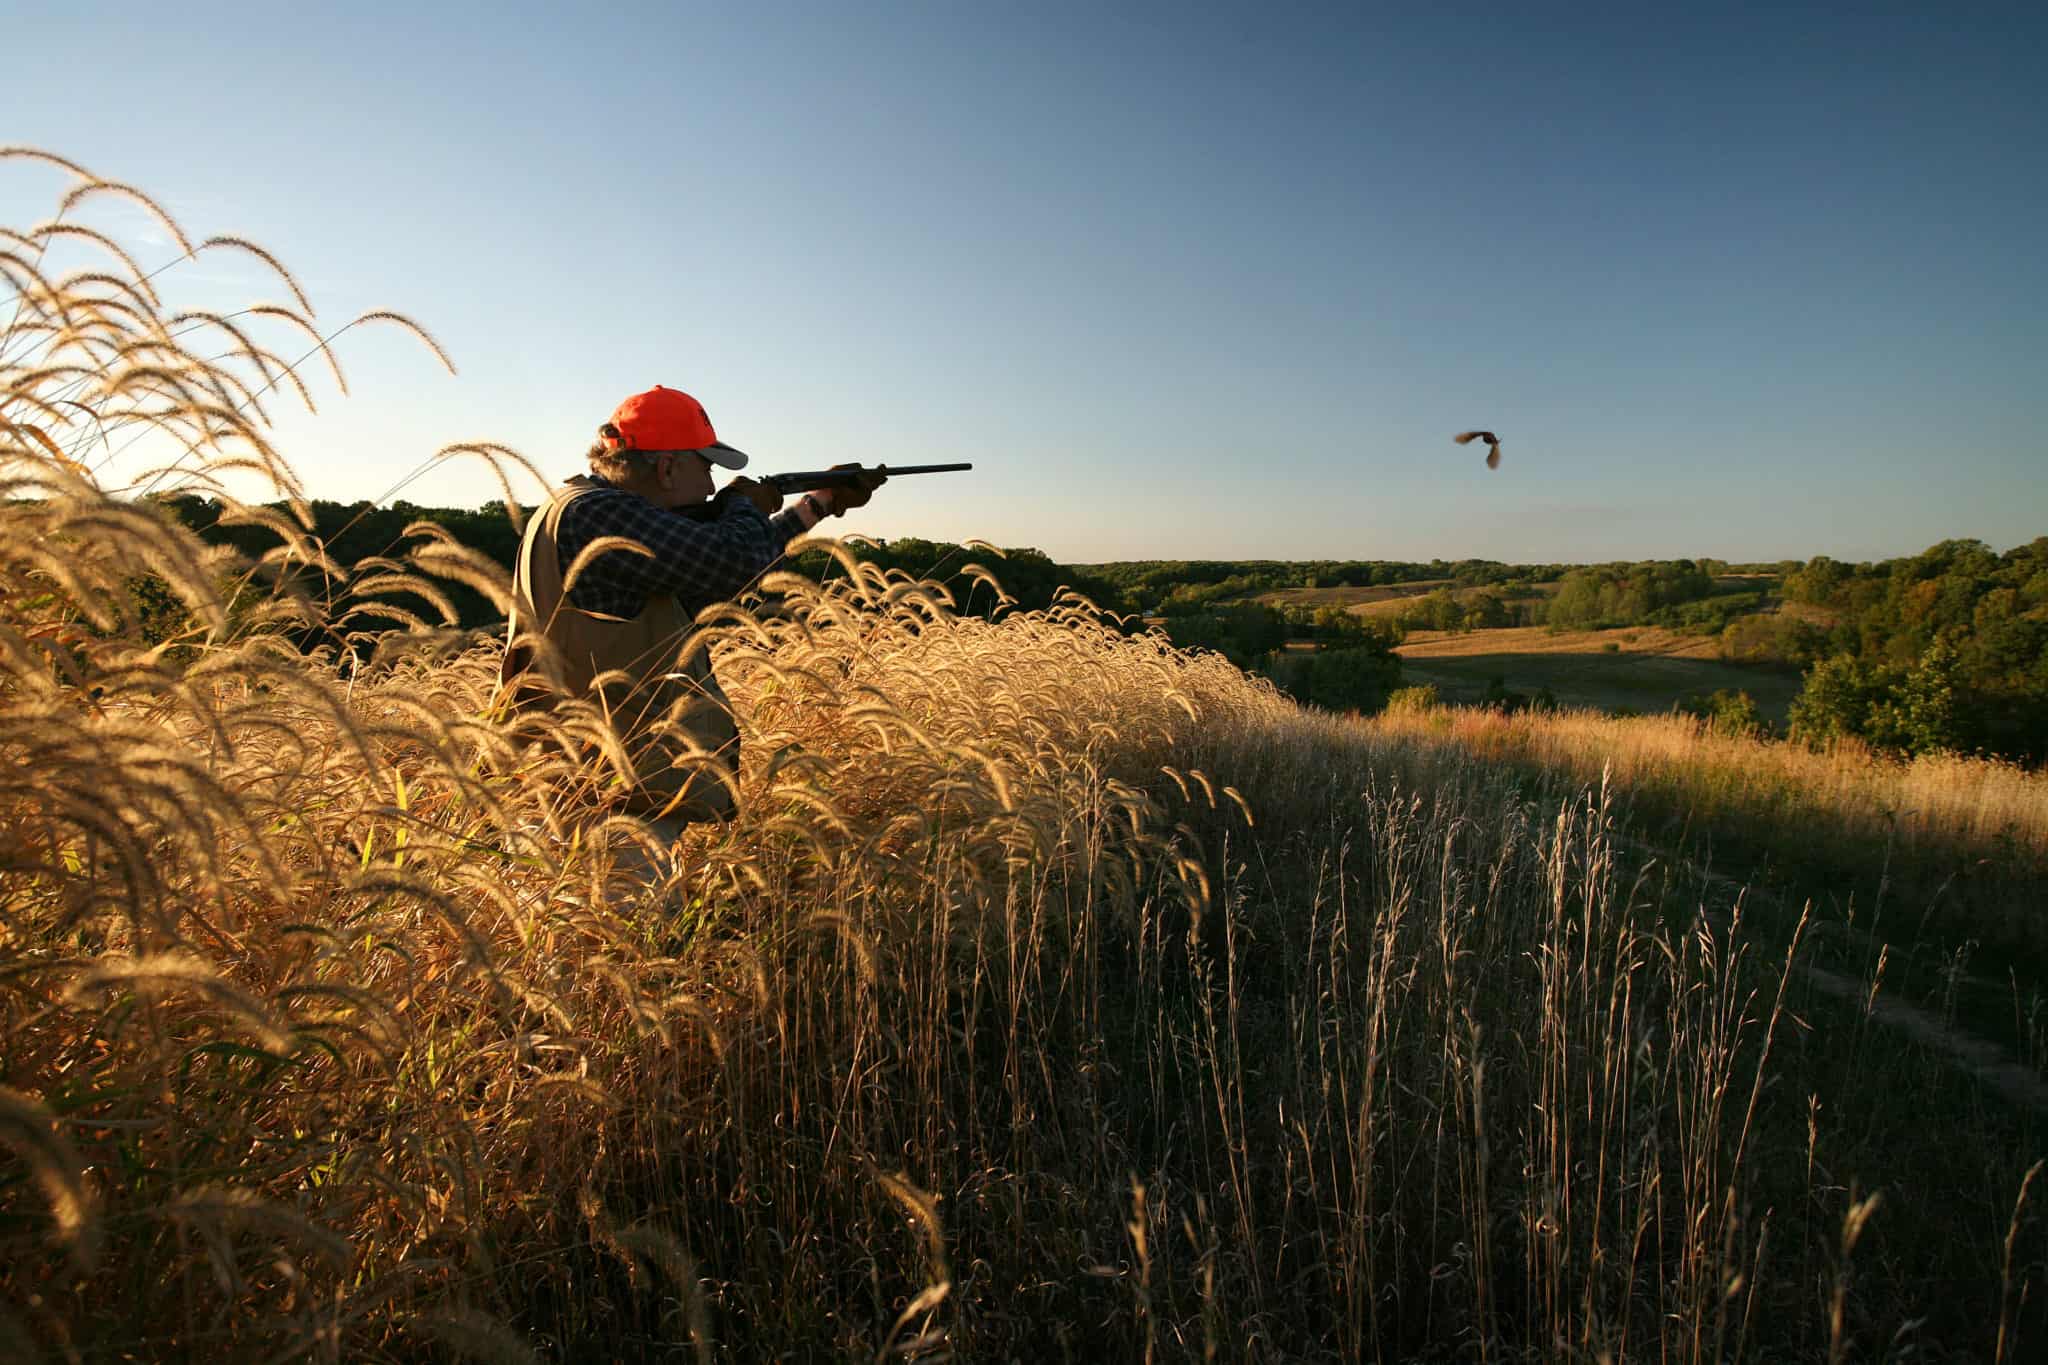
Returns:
point(1492, 441)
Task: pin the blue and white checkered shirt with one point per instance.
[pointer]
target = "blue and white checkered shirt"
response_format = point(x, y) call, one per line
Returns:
point(698, 562)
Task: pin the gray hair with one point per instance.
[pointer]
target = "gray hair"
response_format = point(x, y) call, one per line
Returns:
point(615, 463)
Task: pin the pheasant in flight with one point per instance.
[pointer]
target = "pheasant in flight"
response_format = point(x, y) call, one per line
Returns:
point(1492, 441)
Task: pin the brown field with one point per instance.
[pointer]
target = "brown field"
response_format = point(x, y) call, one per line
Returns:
point(1638, 668)
point(1351, 598)
point(1389, 599)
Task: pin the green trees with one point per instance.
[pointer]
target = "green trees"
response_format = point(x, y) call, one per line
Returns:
point(1439, 610)
point(1327, 657)
point(1764, 639)
point(1912, 710)
point(1816, 582)
point(1242, 632)
point(1447, 610)
point(1150, 584)
point(1945, 649)
point(1358, 679)
point(1625, 594)
point(1184, 598)
point(1028, 575)
point(1337, 628)
point(1727, 712)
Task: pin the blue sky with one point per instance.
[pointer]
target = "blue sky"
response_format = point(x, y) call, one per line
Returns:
point(1193, 281)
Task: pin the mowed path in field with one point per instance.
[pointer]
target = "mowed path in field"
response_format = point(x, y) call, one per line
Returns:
point(1642, 668)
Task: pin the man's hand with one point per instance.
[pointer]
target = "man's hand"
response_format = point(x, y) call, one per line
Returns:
point(845, 497)
point(764, 496)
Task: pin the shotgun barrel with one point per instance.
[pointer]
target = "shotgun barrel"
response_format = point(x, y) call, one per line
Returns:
point(828, 478)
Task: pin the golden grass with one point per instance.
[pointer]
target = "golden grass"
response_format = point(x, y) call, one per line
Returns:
point(1386, 600)
point(1637, 640)
point(1352, 597)
point(1945, 800)
point(1056, 994)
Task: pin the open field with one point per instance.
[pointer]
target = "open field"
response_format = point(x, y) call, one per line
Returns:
point(1350, 598)
point(965, 1033)
point(1638, 668)
point(1389, 599)
point(1054, 995)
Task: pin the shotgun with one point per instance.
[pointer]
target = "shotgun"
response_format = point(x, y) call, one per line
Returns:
point(808, 479)
point(828, 478)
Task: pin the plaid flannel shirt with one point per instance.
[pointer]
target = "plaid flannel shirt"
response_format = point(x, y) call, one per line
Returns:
point(698, 562)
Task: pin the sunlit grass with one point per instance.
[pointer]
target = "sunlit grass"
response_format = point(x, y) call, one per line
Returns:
point(1056, 994)
point(1934, 799)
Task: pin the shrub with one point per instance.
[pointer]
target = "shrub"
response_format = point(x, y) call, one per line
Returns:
point(1727, 712)
point(1351, 679)
point(1439, 610)
point(1906, 710)
point(1414, 699)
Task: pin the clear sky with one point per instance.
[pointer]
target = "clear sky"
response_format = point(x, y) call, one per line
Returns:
point(1190, 281)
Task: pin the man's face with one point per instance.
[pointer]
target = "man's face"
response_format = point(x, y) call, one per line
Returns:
point(682, 479)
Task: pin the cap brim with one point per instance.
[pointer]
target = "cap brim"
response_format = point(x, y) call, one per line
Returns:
point(719, 453)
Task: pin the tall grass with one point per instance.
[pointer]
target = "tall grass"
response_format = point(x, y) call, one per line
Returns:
point(1960, 843)
point(1056, 994)
point(1943, 800)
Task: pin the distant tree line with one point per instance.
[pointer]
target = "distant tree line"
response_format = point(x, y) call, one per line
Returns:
point(1681, 594)
point(1323, 656)
point(1606, 595)
point(357, 534)
point(1029, 576)
point(1485, 609)
point(1945, 650)
point(1164, 586)
point(354, 533)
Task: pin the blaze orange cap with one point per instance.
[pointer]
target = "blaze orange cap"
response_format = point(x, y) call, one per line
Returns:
point(669, 419)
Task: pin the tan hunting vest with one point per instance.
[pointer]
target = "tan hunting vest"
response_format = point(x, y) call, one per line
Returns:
point(668, 709)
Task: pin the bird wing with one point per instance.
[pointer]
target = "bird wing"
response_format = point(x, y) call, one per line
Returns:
point(1493, 456)
point(1465, 436)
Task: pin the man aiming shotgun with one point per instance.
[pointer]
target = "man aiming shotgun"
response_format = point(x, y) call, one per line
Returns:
point(663, 551)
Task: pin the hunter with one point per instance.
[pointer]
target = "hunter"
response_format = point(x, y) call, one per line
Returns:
point(629, 611)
